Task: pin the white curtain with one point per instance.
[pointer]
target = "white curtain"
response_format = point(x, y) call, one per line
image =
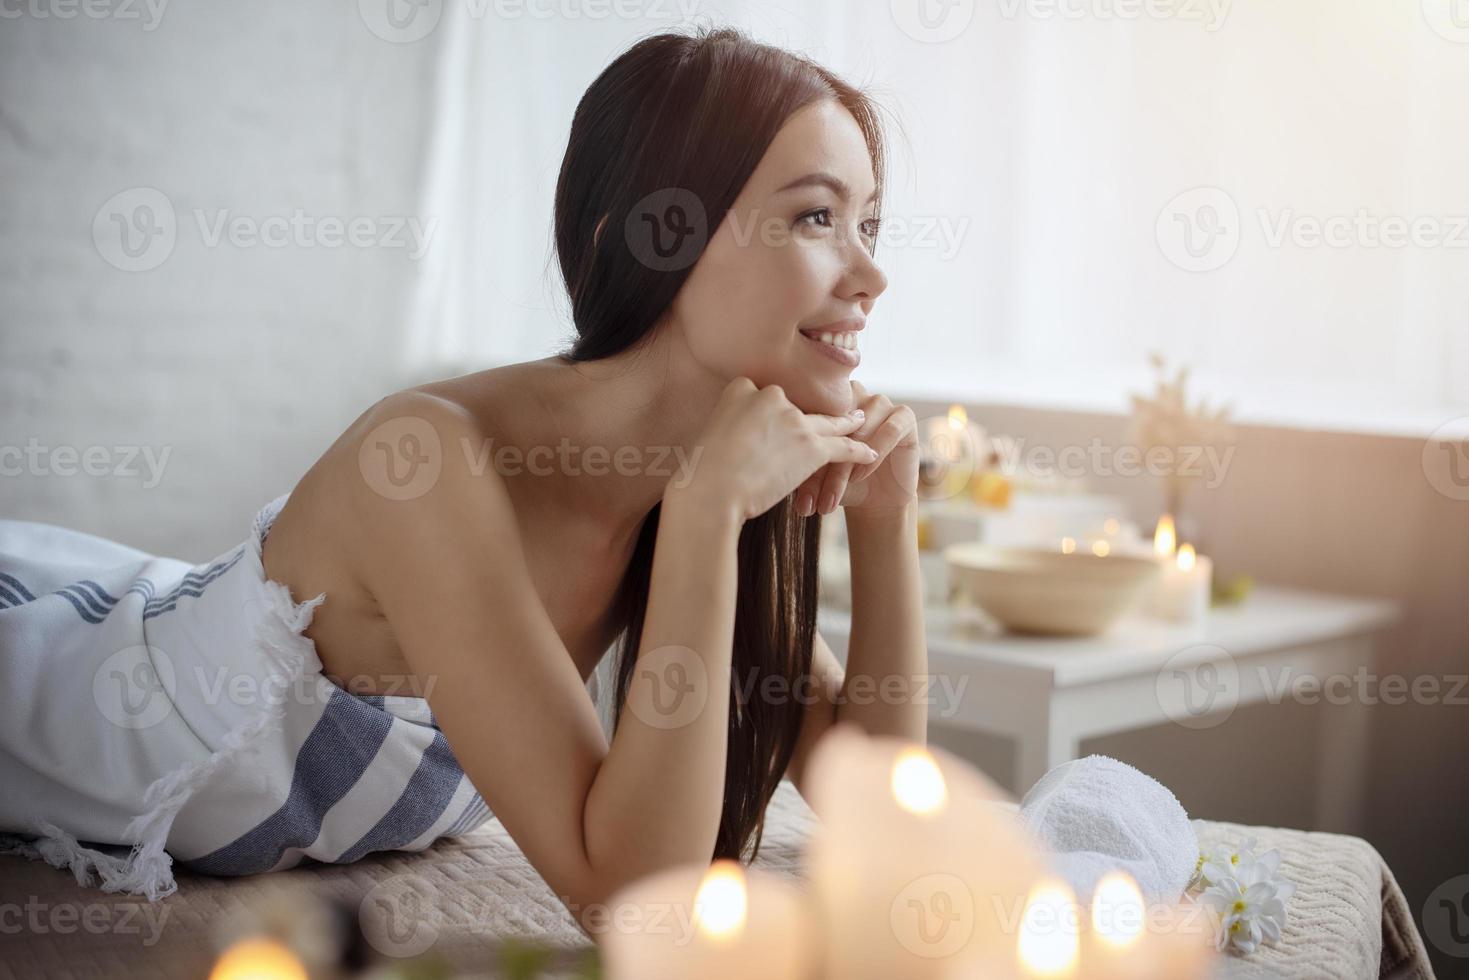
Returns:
point(1034, 239)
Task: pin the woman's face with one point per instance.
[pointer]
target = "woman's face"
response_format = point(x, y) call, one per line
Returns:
point(792, 255)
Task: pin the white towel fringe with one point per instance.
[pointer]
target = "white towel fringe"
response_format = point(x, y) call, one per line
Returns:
point(147, 870)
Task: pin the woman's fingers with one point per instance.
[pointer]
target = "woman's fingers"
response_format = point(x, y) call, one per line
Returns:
point(807, 491)
point(843, 449)
point(889, 431)
point(838, 425)
point(833, 486)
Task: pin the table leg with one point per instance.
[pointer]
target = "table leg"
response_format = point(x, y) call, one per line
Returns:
point(1344, 732)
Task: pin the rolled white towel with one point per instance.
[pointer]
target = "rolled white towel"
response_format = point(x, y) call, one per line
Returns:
point(1096, 815)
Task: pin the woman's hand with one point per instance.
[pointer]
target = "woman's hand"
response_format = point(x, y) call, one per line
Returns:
point(757, 446)
point(888, 483)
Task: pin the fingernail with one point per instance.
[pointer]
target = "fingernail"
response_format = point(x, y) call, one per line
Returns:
point(827, 504)
point(871, 453)
point(857, 413)
point(803, 505)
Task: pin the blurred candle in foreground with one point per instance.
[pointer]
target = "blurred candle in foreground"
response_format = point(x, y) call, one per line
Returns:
point(258, 959)
point(722, 922)
point(914, 864)
point(1049, 943)
point(1130, 939)
point(1118, 945)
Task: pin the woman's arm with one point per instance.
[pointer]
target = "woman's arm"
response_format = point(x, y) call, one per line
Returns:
point(887, 650)
point(448, 570)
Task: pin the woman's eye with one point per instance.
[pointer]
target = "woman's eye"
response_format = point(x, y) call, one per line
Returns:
point(821, 217)
point(818, 213)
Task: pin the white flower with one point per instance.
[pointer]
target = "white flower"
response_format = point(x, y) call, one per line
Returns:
point(1223, 860)
point(1250, 902)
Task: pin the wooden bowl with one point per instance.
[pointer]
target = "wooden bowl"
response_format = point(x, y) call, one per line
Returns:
point(1033, 590)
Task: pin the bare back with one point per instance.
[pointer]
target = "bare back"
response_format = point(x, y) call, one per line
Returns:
point(575, 565)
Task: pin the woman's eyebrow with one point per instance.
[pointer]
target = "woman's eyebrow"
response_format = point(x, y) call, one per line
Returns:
point(824, 179)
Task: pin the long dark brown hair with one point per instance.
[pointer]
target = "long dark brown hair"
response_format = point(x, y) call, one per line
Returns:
point(682, 120)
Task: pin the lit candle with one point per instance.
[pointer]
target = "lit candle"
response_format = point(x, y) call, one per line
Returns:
point(1164, 537)
point(258, 958)
point(953, 442)
point(1050, 942)
point(1182, 592)
point(1118, 944)
point(722, 922)
point(914, 866)
point(1130, 940)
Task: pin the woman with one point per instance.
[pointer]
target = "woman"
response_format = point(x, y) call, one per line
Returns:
point(483, 540)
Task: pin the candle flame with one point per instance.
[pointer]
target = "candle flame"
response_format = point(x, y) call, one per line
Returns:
point(720, 905)
point(1049, 942)
point(958, 418)
point(258, 959)
point(918, 784)
point(1101, 548)
point(1186, 558)
point(1068, 545)
point(1165, 537)
point(1117, 910)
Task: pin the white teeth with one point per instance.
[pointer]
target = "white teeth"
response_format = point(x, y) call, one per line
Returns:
point(847, 340)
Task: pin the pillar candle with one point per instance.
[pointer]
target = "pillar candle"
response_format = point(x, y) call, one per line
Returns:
point(723, 922)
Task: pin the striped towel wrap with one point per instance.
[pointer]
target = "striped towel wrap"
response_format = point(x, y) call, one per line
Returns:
point(152, 711)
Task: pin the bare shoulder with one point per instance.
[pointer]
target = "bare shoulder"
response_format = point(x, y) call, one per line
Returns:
point(415, 453)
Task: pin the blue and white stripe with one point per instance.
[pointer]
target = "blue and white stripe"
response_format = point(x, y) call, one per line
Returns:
point(294, 769)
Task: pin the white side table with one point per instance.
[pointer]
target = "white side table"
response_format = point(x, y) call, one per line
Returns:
point(1048, 693)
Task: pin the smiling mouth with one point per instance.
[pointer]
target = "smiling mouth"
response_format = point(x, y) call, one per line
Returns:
point(846, 339)
point(839, 346)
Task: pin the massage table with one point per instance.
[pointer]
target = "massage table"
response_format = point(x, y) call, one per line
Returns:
point(1348, 918)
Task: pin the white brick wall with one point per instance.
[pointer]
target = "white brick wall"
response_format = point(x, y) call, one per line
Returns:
point(244, 362)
